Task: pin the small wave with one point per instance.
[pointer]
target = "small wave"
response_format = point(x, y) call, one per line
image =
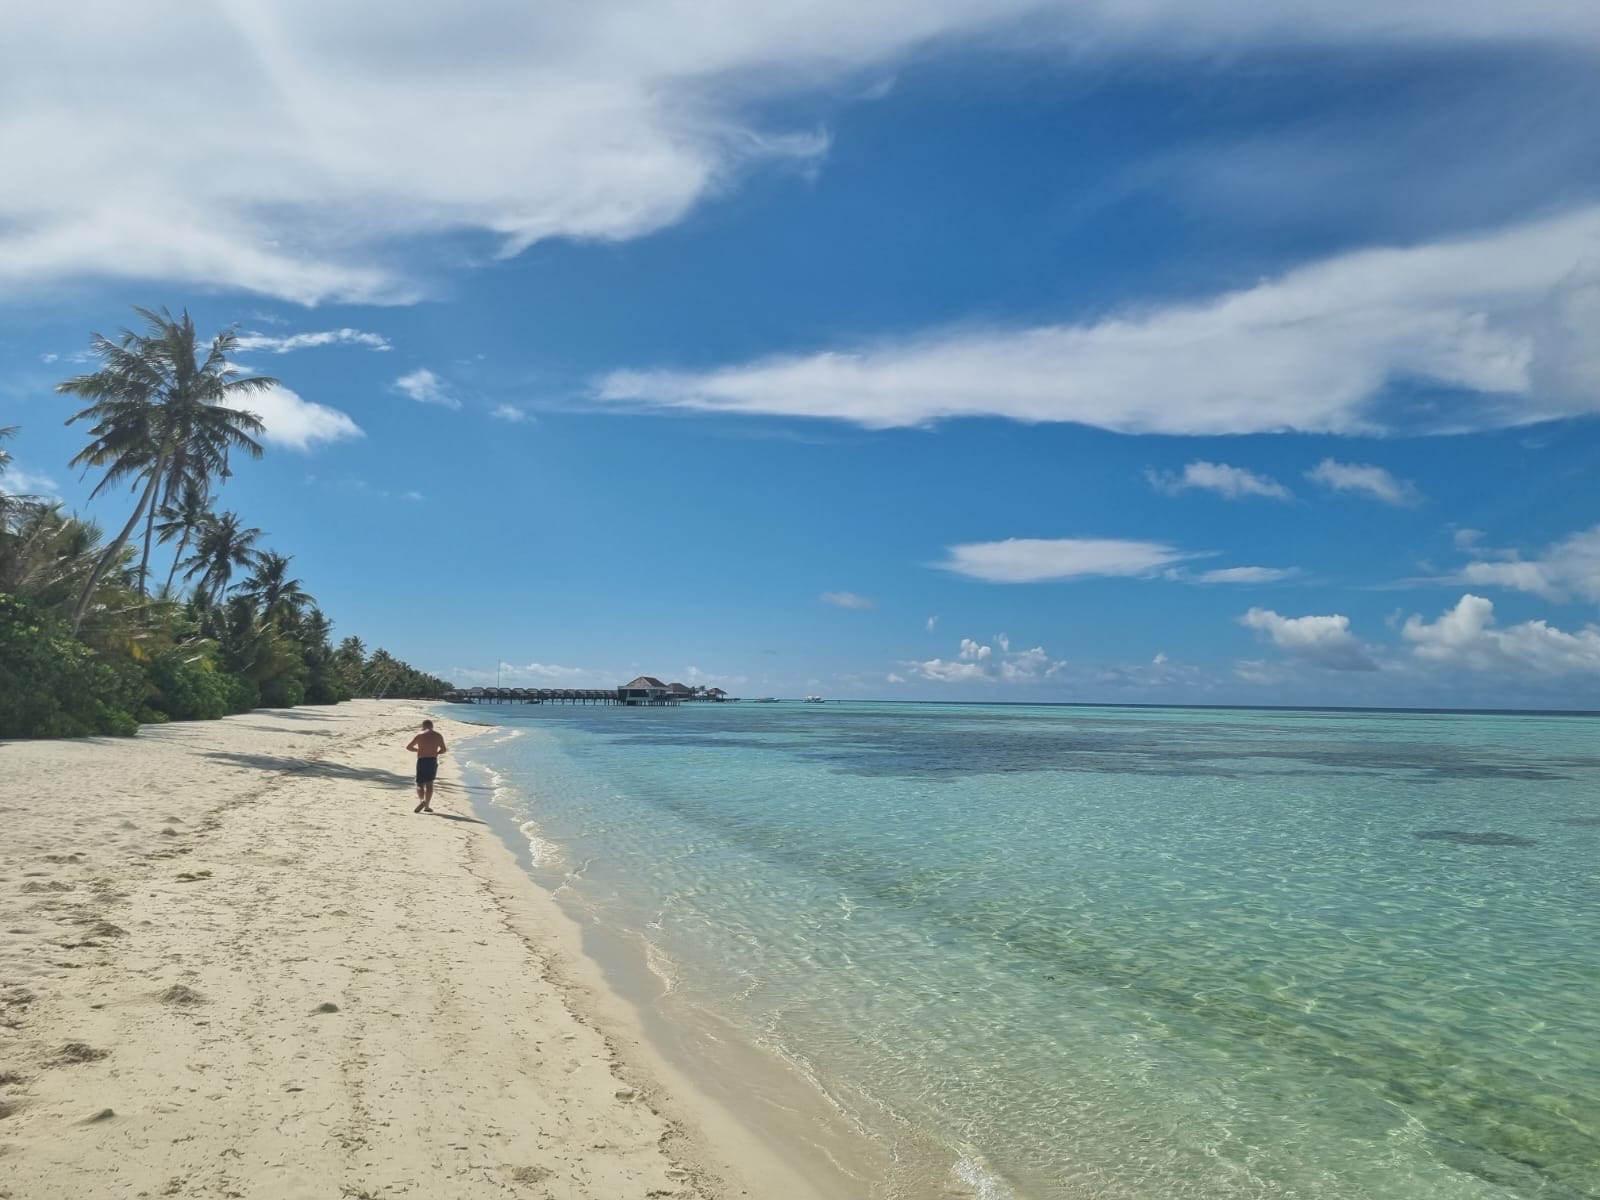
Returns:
point(660, 966)
point(543, 852)
point(973, 1174)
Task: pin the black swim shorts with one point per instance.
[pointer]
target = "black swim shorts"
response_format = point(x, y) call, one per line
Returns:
point(427, 769)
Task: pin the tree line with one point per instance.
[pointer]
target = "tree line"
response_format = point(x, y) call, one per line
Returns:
point(87, 644)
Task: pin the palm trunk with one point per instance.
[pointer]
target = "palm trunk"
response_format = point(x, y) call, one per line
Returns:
point(144, 562)
point(150, 529)
point(183, 544)
point(110, 553)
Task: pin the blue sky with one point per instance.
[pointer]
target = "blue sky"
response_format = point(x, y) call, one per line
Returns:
point(1131, 352)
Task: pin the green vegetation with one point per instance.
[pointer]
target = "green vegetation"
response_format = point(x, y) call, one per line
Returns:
point(85, 648)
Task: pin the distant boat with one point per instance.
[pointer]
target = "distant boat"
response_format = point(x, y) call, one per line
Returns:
point(765, 700)
point(813, 699)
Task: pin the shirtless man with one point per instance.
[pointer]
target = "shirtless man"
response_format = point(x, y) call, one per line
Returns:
point(427, 746)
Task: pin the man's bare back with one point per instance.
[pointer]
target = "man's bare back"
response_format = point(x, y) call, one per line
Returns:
point(427, 746)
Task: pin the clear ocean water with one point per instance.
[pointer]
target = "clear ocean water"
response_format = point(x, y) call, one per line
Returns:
point(1113, 952)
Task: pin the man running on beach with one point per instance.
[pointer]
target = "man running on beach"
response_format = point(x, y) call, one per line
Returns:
point(427, 746)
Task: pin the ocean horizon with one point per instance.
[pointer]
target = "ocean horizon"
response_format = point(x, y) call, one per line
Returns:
point(1112, 951)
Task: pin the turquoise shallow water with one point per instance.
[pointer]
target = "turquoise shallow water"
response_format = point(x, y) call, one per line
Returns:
point(1119, 952)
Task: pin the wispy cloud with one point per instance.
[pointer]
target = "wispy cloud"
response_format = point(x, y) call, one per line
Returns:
point(1567, 568)
point(423, 386)
point(846, 600)
point(1231, 482)
point(1364, 480)
point(326, 147)
point(1465, 637)
point(511, 413)
point(14, 481)
point(1497, 317)
point(288, 343)
point(297, 423)
point(1246, 575)
point(1037, 560)
point(1322, 641)
point(930, 624)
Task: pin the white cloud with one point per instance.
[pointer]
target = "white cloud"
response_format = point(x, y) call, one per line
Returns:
point(48, 358)
point(1464, 637)
point(1160, 658)
point(296, 423)
point(930, 624)
point(1313, 350)
point(845, 600)
point(511, 413)
point(1570, 567)
point(334, 134)
point(14, 481)
point(1247, 575)
point(1321, 641)
point(423, 386)
point(1365, 480)
point(304, 341)
point(1034, 560)
point(978, 663)
point(1231, 482)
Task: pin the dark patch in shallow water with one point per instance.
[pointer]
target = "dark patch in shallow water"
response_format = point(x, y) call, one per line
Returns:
point(1582, 822)
point(1474, 839)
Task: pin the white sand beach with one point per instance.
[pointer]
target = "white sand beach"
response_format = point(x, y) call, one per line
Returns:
point(234, 963)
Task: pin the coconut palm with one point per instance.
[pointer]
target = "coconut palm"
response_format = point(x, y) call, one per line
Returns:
point(222, 545)
point(271, 590)
point(163, 414)
point(183, 519)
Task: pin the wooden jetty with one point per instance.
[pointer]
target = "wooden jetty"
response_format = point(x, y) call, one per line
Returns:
point(643, 691)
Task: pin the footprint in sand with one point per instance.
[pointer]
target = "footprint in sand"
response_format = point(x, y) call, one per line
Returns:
point(78, 1052)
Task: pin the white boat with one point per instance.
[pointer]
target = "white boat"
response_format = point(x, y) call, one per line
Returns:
point(765, 700)
point(813, 699)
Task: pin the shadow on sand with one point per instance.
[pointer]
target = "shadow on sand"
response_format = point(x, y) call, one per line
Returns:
point(314, 768)
point(457, 817)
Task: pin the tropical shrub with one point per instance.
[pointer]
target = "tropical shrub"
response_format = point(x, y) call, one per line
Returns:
point(52, 685)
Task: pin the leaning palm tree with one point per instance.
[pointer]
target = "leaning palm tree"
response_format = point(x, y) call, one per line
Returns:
point(163, 414)
point(182, 519)
point(222, 545)
point(271, 590)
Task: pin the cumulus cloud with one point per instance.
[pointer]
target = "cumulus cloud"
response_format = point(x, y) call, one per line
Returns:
point(1364, 480)
point(1312, 351)
point(1036, 560)
point(511, 413)
point(287, 343)
point(1566, 569)
point(1465, 637)
point(335, 134)
point(1232, 482)
point(1247, 575)
point(423, 386)
point(297, 423)
point(845, 600)
point(1320, 641)
point(976, 662)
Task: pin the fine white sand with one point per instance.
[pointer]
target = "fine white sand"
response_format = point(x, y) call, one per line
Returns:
point(233, 963)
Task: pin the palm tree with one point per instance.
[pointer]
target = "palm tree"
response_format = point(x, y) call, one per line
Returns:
point(271, 590)
point(183, 519)
point(223, 544)
point(162, 415)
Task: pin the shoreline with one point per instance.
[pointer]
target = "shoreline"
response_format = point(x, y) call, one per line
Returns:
point(699, 1053)
point(233, 962)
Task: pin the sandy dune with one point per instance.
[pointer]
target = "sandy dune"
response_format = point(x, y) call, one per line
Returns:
point(233, 963)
